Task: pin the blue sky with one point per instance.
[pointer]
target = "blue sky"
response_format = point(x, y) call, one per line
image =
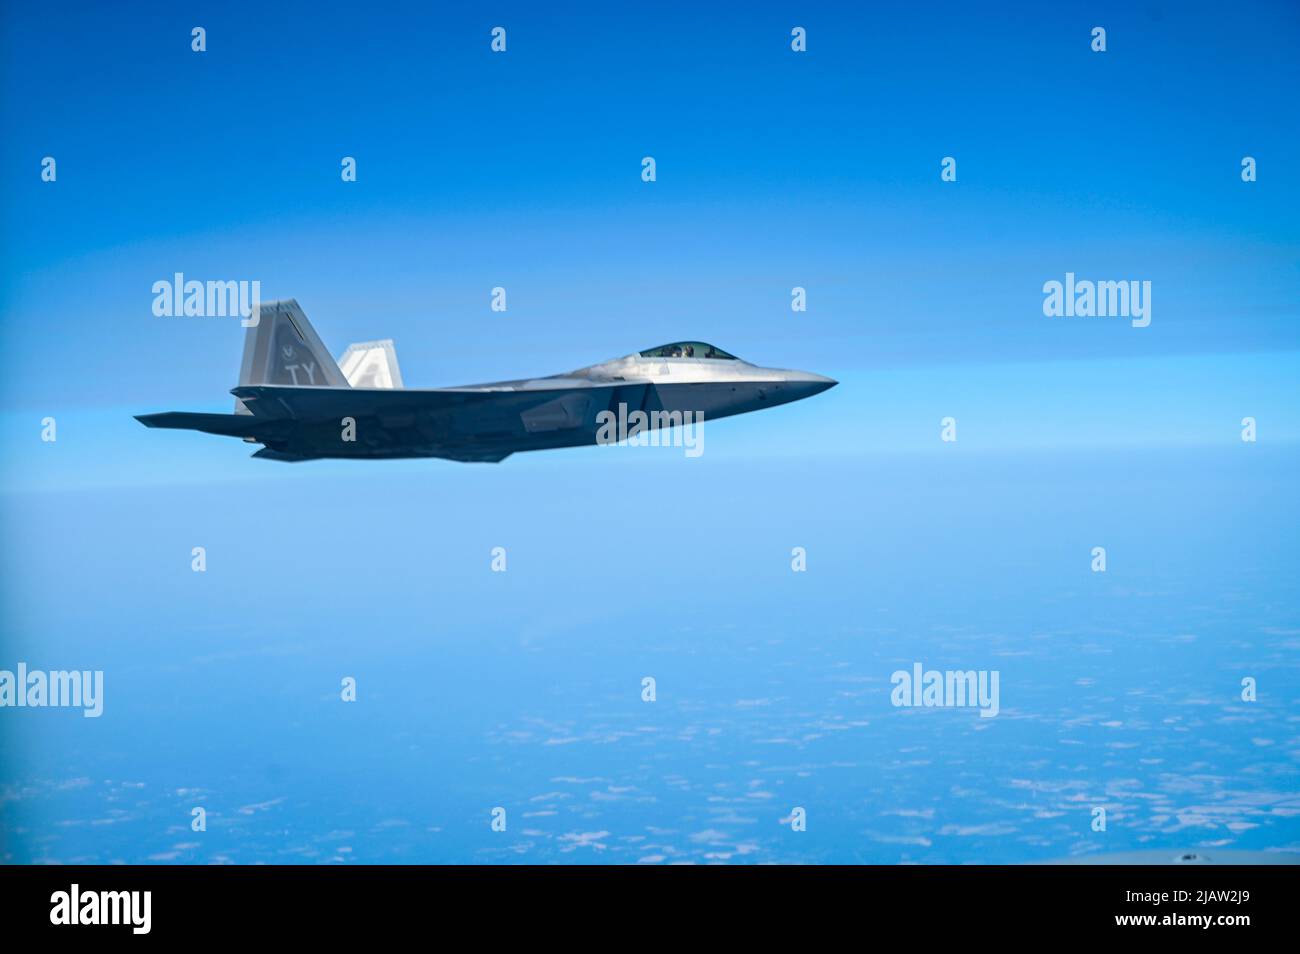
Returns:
point(775, 169)
point(522, 170)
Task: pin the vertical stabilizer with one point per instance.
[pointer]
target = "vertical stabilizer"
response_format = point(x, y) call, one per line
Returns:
point(371, 364)
point(283, 348)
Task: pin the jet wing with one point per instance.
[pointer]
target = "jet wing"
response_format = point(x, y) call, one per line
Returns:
point(304, 404)
point(471, 424)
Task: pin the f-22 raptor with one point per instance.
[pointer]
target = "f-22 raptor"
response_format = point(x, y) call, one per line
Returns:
point(296, 401)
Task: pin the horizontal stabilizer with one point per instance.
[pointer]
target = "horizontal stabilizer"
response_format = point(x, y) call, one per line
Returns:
point(476, 457)
point(229, 425)
point(266, 453)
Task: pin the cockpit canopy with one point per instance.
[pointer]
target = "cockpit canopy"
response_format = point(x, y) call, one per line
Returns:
point(689, 349)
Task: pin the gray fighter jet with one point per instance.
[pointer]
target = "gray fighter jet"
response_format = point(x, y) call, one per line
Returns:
point(300, 405)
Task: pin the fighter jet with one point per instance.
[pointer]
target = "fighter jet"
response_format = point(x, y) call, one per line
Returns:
point(299, 404)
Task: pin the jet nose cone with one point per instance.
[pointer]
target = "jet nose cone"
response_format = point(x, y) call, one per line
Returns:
point(811, 384)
